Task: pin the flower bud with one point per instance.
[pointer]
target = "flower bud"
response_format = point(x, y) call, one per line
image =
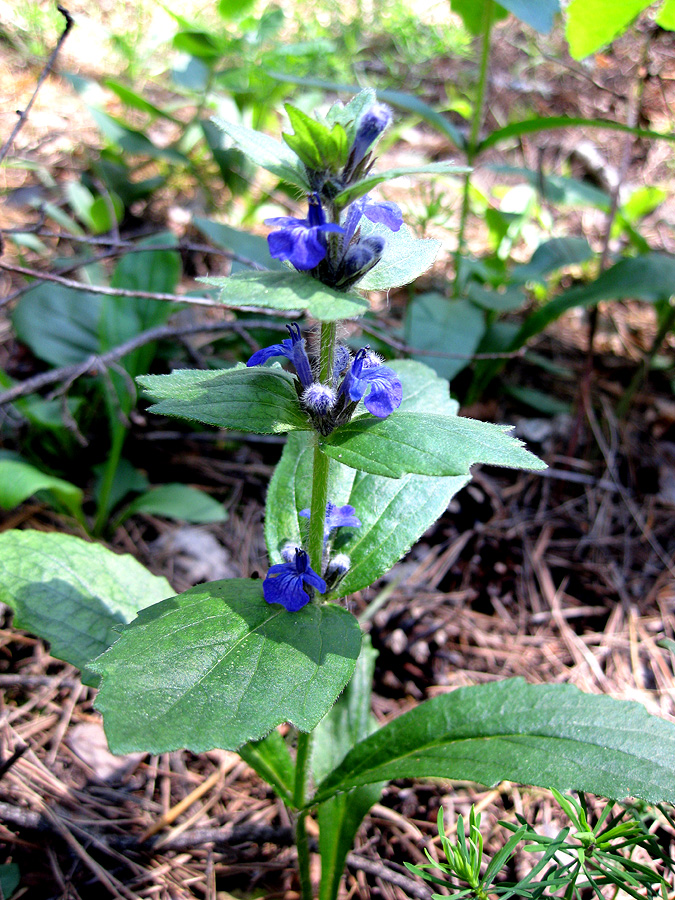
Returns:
point(371, 125)
point(359, 259)
point(319, 398)
point(336, 570)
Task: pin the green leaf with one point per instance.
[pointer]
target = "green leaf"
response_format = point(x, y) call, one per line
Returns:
point(234, 9)
point(178, 501)
point(272, 761)
point(650, 278)
point(236, 171)
point(73, 593)
point(319, 147)
point(198, 43)
point(538, 14)
point(559, 189)
point(19, 480)
point(217, 666)
point(593, 23)
point(498, 301)
point(557, 253)
point(547, 735)
point(349, 114)
point(394, 513)
point(265, 151)
point(290, 290)
point(399, 99)
point(344, 198)
point(134, 100)
point(666, 15)
point(473, 13)
point(667, 644)
point(425, 444)
point(58, 324)
point(261, 400)
point(248, 246)
point(405, 257)
point(9, 879)
point(349, 721)
point(134, 142)
point(434, 323)
point(546, 123)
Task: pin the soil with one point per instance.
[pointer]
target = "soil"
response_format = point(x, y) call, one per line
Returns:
point(561, 576)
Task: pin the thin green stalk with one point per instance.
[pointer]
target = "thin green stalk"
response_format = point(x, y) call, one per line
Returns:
point(667, 325)
point(119, 433)
point(321, 463)
point(301, 838)
point(472, 143)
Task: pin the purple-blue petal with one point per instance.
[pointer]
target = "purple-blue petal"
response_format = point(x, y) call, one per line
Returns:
point(316, 581)
point(286, 588)
point(261, 356)
point(385, 394)
point(286, 222)
point(308, 250)
point(282, 243)
point(385, 213)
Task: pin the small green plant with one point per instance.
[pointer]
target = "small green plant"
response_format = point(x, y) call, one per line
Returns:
point(375, 451)
point(581, 857)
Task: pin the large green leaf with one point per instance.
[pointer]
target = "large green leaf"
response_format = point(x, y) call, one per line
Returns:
point(547, 735)
point(348, 722)
point(539, 14)
point(267, 152)
point(473, 13)
point(59, 325)
point(178, 501)
point(217, 666)
point(405, 257)
point(19, 480)
point(73, 593)
point(133, 142)
point(552, 255)
point(367, 184)
point(435, 323)
point(593, 23)
point(288, 290)
point(261, 400)
point(425, 444)
point(666, 15)
point(394, 513)
point(546, 123)
point(650, 277)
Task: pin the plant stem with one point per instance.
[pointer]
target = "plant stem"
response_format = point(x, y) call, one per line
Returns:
point(119, 433)
point(301, 839)
point(667, 325)
point(321, 463)
point(472, 143)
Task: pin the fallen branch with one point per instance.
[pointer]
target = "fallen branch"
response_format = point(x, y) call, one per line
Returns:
point(97, 363)
point(23, 115)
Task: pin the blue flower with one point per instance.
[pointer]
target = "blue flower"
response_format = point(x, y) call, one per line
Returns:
point(285, 582)
point(336, 517)
point(382, 211)
point(300, 241)
point(377, 385)
point(371, 125)
point(292, 348)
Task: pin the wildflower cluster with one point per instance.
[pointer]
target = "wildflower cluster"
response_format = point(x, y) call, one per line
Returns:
point(329, 245)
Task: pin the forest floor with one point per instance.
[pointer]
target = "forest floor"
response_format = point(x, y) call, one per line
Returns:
point(561, 576)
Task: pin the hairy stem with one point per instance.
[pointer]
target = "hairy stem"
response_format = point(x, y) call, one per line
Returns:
point(472, 143)
point(302, 841)
point(321, 463)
